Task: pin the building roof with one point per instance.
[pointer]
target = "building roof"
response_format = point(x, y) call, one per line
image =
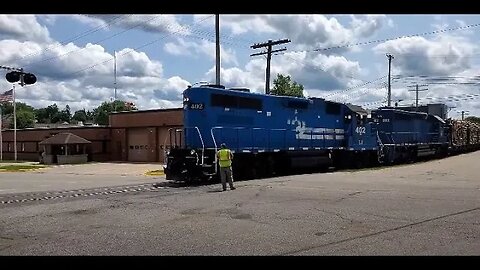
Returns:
point(147, 111)
point(65, 138)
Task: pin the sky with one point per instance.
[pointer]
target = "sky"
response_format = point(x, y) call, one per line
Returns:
point(337, 57)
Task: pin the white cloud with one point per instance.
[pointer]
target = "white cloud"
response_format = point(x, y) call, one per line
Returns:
point(190, 48)
point(313, 71)
point(139, 78)
point(305, 31)
point(159, 23)
point(442, 55)
point(23, 28)
point(368, 25)
point(48, 19)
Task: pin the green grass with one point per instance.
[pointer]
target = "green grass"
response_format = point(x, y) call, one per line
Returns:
point(19, 168)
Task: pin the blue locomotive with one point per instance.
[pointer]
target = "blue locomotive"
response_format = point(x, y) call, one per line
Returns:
point(270, 135)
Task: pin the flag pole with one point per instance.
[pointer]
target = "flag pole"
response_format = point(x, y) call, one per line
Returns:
point(14, 124)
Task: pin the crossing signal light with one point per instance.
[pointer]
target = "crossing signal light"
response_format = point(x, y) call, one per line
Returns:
point(13, 77)
point(29, 78)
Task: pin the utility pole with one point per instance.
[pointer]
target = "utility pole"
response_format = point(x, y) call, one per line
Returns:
point(269, 52)
point(390, 57)
point(1, 138)
point(463, 115)
point(115, 75)
point(217, 48)
point(114, 80)
point(416, 93)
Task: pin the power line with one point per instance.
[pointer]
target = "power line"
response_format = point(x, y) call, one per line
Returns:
point(77, 37)
point(96, 42)
point(318, 68)
point(416, 93)
point(353, 87)
point(389, 39)
point(351, 95)
point(269, 52)
point(136, 48)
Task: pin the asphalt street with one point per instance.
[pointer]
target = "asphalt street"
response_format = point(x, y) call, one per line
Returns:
point(428, 208)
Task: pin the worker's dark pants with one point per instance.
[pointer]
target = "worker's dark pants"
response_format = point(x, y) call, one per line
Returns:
point(225, 173)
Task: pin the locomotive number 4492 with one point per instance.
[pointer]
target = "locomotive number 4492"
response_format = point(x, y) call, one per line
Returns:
point(196, 106)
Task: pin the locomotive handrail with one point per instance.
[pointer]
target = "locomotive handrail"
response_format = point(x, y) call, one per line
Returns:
point(310, 132)
point(169, 136)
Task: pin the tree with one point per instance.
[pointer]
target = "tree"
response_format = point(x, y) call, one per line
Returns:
point(25, 114)
point(41, 115)
point(25, 119)
point(48, 114)
point(101, 113)
point(80, 115)
point(283, 86)
point(62, 116)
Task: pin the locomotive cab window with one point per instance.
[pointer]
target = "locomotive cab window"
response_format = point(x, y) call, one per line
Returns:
point(223, 101)
point(249, 103)
point(228, 101)
point(297, 104)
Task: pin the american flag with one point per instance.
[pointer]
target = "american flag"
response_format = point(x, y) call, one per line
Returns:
point(7, 96)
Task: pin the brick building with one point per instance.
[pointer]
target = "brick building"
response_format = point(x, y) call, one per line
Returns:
point(135, 136)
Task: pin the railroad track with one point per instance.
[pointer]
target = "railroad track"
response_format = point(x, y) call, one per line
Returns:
point(79, 193)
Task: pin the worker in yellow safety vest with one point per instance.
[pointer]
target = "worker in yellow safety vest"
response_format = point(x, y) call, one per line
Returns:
point(225, 156)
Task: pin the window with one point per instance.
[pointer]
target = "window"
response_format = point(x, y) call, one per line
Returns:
point(223, 101)
point(250, 103)
point(332, 108)
point(297, 104)
point(228, 101)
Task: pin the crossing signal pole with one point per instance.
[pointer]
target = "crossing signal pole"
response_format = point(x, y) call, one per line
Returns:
point(23, 78)
point(269, 52)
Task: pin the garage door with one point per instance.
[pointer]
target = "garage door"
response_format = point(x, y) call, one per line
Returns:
point(138, 147)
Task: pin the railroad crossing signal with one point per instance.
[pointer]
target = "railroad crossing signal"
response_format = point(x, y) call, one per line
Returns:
point(18, 75)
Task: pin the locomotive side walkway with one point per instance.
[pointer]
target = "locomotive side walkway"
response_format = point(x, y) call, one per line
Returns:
point(430, 208)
